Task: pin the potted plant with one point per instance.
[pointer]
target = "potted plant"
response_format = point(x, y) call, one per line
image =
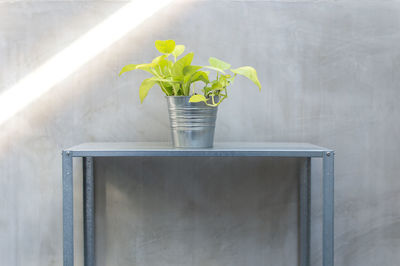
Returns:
point(192, 111)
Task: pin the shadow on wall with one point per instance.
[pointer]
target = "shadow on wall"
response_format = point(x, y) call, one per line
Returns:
point(196, 211)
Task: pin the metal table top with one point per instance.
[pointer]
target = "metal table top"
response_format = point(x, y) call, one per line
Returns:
point(273, 149)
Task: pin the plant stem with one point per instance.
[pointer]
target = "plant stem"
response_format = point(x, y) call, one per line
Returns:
point(163, 89)
point(160, 83)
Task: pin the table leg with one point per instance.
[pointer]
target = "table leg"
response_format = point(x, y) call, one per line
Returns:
point(305, 185)
point(328, 209)
point(88, 211)
point(68, 209)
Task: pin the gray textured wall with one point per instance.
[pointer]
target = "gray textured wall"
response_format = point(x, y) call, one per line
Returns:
point(330, 75)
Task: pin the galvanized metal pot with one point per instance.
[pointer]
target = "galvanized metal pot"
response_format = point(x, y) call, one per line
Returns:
point(192, 124)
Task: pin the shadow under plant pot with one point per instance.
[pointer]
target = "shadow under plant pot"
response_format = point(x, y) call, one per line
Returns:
point(192, 123)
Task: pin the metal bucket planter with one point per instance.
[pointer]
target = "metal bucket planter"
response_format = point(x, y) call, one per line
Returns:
point(192, 124)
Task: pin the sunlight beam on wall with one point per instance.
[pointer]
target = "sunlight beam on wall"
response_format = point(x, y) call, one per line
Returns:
point(74, 56)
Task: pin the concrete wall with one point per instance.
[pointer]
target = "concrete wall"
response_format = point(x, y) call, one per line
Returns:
point(330, 75)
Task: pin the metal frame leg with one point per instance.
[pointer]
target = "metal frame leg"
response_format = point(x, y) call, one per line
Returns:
point(68, 209)
point(305, 220)
point(328, 209)
point(88, 211)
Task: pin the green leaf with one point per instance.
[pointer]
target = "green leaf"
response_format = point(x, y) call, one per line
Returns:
point(189, 70)
point(198, 98)
point(186, 84)
point(165, 47)
point(216, 86)
point(200, 76)
point(127, 68)
point(216, 69)
point(214, 62)
point(177, 78)
point(168, 80)
point(177, 69)
point(225, 80)
point(165, 63)
point(179, 49)
point(177, 89)
point(249, 72)
point(207, 90)
point(158, 59)
point(146, 67)
point(166, 66)
point(168, 89)
point(146, 85)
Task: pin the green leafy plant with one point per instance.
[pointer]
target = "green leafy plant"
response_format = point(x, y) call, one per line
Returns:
point(218, 87)
point(173, 77)
point(178, 77)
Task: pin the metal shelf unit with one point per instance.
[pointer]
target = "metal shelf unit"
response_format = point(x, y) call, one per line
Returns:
point(88, 151)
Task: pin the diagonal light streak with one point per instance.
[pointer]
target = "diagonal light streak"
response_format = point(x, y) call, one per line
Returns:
point(75, 55)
